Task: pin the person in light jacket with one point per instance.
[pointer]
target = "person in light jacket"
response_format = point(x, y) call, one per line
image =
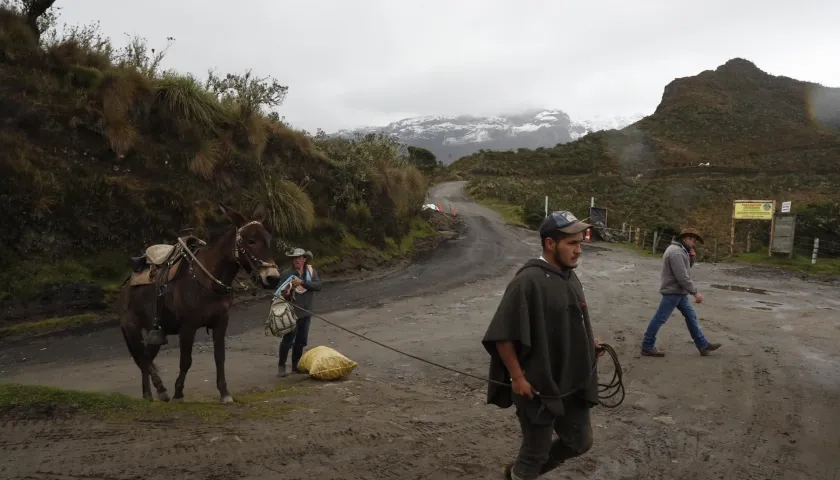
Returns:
point(301, 295)
point(675, 288)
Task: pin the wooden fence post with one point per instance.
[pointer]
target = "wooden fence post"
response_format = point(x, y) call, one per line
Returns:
point(655, 241)
point(638, 231)
point(748, 242)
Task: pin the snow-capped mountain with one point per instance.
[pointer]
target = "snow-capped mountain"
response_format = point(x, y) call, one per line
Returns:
point(598, 123)
point(450, 138)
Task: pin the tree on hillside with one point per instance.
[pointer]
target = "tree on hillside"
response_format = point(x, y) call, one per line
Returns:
point(423, 160)
point(249, 92)
point(38, 15)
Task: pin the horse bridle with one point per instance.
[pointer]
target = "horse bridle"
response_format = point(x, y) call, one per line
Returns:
point(239, 250)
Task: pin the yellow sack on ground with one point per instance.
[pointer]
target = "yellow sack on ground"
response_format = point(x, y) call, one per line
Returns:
point(324, 363)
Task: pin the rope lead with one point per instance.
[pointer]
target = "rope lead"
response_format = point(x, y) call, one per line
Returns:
point(606, 391)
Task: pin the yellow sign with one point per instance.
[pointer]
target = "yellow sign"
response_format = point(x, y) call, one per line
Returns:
point(753, 210)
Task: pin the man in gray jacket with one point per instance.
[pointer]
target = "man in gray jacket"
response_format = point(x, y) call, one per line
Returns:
point(675, 289)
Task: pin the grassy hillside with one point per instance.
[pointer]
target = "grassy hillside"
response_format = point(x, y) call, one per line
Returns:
point(764, 137)
point(104, 153)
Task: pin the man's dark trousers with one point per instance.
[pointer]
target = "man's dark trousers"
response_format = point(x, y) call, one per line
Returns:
point(538, 454)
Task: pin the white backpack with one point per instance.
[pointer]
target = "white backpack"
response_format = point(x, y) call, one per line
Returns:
point(281, 317)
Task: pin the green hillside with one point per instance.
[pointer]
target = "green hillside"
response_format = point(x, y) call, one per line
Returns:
point(763, 136)
point(105, 152)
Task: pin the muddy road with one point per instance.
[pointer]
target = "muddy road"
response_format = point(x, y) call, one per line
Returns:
point(764, 406)
point(486, 248)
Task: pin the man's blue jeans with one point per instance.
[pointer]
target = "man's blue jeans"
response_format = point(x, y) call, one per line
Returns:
point(666, 308)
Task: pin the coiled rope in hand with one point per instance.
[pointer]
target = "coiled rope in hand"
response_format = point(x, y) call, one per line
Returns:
point(606, 391)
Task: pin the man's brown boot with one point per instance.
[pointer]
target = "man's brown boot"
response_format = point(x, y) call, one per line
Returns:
point(710, 347)
point(508, 469)
point(652, 352)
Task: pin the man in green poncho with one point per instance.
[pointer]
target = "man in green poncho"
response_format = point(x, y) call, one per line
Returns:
point(541, 345)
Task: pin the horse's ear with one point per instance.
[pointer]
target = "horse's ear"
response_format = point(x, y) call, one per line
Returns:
point(233, 215)
point(259, 213)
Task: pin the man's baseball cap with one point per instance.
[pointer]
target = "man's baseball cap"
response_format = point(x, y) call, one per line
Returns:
point(564, 221)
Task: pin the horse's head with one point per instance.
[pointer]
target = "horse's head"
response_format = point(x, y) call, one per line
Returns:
point(253, 247)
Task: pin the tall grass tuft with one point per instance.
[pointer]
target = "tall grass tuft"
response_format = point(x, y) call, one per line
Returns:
point(291, 211)
point(206, 159)
point(185, 97)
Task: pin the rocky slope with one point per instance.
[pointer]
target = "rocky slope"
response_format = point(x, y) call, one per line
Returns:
point(451, 138)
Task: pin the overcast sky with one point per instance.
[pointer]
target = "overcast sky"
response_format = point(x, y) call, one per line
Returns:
point(354, 63)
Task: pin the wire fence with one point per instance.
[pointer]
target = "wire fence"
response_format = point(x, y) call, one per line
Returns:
point(715, 249)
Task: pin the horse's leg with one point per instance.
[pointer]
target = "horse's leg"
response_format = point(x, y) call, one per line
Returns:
point(134, 342)
point(186, 338)
point(219, 355)
point(152, 351)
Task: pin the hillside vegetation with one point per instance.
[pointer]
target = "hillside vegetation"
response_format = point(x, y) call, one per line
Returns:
point(763, 136)
point(104, 153)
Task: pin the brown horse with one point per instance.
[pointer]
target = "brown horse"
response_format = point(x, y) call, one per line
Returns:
point(190, 291)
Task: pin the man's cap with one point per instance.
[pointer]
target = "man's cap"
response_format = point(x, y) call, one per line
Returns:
point(563, 221)
point(691, 232)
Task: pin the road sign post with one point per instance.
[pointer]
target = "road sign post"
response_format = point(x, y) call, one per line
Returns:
point(752, 210)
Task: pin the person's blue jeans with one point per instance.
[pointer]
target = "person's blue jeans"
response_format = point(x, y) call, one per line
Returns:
point(666, 308)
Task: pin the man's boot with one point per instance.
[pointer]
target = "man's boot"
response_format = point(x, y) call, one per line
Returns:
point(155, 336)
point(281, 363)
point(297, 352)
point(709, 348)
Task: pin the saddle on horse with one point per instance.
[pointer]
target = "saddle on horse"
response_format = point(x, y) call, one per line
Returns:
point(149, 267)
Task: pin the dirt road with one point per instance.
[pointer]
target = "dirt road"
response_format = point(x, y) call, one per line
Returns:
point(765, 406)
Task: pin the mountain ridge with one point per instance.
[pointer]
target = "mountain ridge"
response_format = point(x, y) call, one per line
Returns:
point(731, 132)
point(450, 137)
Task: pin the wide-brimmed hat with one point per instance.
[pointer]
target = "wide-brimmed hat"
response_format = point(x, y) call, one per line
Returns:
point(690, 232)
point(299, 252)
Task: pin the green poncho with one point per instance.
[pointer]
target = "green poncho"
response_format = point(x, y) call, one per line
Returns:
point(543, 311)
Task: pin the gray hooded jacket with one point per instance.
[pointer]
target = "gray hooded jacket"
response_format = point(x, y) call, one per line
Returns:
point(676, 271)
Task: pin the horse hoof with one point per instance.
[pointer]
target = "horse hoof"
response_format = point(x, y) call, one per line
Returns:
point(163, 397)
point(177, 400)
point(148, 397)
point(227, 399)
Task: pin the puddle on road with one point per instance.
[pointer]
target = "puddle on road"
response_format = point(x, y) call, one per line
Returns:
point(739, 288)
point(769, 304)
point(764, 305)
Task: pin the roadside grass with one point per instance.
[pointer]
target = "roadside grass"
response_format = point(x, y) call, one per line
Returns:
point(47, 325)
point(800, 263)
point(631, 247)
point(29, 279)
point(28, 401)
point(352, 245)
point(512, 214)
